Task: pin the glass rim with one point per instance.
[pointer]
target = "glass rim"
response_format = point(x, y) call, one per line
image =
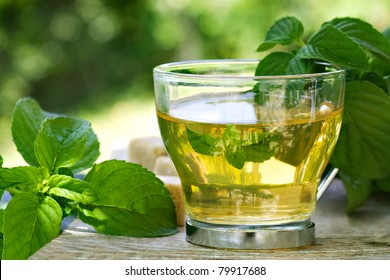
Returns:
point(163, 69)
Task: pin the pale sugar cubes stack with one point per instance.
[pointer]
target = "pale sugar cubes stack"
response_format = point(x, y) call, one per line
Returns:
point(150, 152)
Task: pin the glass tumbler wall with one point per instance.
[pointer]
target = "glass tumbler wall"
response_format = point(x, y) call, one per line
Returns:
point(249, 151)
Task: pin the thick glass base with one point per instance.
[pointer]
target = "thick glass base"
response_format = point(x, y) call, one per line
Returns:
point(285, 236)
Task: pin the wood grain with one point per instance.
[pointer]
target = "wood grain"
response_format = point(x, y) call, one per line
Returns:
point(363, 235)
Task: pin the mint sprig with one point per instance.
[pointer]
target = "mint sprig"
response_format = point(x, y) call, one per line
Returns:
point(115, 197)
point(362, 152)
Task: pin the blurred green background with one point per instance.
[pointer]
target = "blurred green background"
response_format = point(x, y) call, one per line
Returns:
point(94, 58)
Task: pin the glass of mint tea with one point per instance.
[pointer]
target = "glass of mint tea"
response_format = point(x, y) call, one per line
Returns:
point(250, 150)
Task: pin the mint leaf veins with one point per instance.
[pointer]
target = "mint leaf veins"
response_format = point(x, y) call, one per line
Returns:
point(29, 223)
point(130, 201)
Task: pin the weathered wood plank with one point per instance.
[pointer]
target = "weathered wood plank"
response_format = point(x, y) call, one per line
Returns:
point(363, 235)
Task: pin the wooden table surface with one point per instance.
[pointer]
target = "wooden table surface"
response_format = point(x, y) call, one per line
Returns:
point(363, 235)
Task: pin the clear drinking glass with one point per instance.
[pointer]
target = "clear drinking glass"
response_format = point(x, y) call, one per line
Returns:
point(250, 151)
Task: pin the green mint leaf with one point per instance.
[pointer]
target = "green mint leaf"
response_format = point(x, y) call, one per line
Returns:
point(262, 148)
point(203, 144)
point(258, 152)
point(60, 142)
point(296, 143)
point(285, 31)
point(30, 222)
point(263, 89)
point(65, 171)
point(383, 184)
point(23, 178)
point(73, 189)
point(120, 221)
point(131, 201)
point(376, 79)
point(1, 161)
point(25, 124)
point(334, 46)
point(358, 191)
point(90, 154)
point(386, 33)
point(388, 84)
point(380, 67)
point(259, 96)
point(363, 150)
point(295, 88)
point(234, 154)
point(365, 35)
point(2, 212)
point(300, 66)
point(280, 63)
point(274, 64)
point(236, 148)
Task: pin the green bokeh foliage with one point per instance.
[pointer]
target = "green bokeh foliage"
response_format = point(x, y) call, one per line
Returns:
point(71, 54)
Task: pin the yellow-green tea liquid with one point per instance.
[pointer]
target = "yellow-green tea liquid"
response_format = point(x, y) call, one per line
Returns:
point(278, 187)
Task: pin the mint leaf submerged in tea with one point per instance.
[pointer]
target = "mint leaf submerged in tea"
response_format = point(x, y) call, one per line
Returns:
point(236, 146)
point(203, 144)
